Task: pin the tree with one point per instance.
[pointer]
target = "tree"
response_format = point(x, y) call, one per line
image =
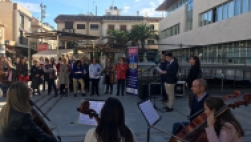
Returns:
point(119, 37)
point(71, 44)
point(142, 32)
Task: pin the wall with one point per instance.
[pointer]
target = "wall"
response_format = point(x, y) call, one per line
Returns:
point(232, 29)
point(6, 12)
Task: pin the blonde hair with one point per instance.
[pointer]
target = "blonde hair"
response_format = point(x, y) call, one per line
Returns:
point(18, 99)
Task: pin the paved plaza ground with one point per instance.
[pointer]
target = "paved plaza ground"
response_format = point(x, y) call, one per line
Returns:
point(62, 110)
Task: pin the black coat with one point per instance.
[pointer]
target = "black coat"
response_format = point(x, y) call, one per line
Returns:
point(36, 81)
point(193, 74)
point(21, 128)
point(22, 69)
point(172, 72)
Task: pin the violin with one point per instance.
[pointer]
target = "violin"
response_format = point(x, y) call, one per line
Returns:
point(237, 93)
point(195, 130)
point(85, 109)
point(39, 121)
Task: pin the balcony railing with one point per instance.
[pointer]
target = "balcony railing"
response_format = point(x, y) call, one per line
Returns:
point(23, 40)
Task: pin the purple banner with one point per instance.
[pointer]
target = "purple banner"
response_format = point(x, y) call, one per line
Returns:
point(132, 76)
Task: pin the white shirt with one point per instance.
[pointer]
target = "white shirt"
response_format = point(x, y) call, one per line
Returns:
point(95, 69)
point(91, 136)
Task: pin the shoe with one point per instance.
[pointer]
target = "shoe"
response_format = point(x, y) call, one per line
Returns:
point(83, 94)
point(122, 94)
point(111, 93)
point(97, 94)
point(117, 94)
point(92, 95)
point(169, 109)
point(75, 95)
point(106, 92)
point(66, 92)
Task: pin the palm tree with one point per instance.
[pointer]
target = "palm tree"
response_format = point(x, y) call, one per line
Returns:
point(117, 36)
point(142, 32)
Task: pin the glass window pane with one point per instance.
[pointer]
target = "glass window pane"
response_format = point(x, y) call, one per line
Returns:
point(231, 9)
point(248, 61)
point(224, 12)
point(219, 13)
point(205, 18)
point(249, 5)
point(209, 17)
point(244, 7)
point(237, 7)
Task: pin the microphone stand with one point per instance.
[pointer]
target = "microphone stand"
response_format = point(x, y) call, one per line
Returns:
point(168, 133)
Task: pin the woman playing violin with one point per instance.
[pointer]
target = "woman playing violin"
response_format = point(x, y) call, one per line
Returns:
point(111, 127)
point(224, 128)
point(16, 120)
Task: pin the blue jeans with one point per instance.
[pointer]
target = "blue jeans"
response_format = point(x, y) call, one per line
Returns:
point(178, 126)
point(4, 87)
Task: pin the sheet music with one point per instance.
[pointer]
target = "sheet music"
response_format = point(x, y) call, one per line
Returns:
point(85, 119)
point(158, 69)
point(149, 112)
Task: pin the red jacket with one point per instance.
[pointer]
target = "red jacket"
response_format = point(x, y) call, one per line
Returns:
point(121, 71)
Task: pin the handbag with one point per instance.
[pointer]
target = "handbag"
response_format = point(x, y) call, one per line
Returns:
point(53, 76)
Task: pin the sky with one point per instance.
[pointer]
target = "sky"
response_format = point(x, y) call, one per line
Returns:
point(74, 7)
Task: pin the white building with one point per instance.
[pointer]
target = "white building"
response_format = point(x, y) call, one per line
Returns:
point(211, 28)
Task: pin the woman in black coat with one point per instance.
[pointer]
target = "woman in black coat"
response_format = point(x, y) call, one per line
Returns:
point(36, 73)
point(194, 73)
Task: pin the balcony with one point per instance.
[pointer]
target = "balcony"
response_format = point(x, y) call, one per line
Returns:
point(23, 40)
point(69, 30)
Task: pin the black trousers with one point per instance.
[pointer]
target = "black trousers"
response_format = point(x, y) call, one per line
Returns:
point(87, 80)
point(51, 85)
point(163, 91)
point(44, 85)
point(70, 83)
point(95, 86)
point(108, 83)
point(120, 84)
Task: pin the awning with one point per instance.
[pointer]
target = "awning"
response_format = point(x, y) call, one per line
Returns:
point(53, 53)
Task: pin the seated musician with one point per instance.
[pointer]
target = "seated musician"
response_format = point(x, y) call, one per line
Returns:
point(16, 120)
point(199, 90)
point(111, 125)
point(225, 128)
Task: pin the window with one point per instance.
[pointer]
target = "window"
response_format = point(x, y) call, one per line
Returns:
point(152, 26)
point(209, 17)
point(249, 5)
point(150, 41)
point(206, 18)
point(174, 30)
point(231, 9)
point(219, 13)
point(244, 7)
point(80, 26)
point(123, 27)
point(22, 21)
point(68, 25)
point(224, 14)
point(237, 7)
point(94, 26)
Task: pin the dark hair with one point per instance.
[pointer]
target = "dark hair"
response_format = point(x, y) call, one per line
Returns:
point(169, 54)
point(197, 60)
point(112, 126)
point(217, 103)
point(77, 62)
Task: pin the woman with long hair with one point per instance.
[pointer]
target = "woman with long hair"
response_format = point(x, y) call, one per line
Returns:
point(110, 77)
point(194, 73)
point(16, 120)
point(111, 127)
point(224, 128)
point(63, 75)
point(23, 70)
point(36, 76)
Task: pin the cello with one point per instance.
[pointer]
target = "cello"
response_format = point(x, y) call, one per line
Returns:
point(39, 121)
point(195, 130)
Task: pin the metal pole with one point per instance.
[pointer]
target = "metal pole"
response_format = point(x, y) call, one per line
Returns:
point(29, 54)
point(92, 48)
point(148, 134)
point(65, 44)
point(58, 46)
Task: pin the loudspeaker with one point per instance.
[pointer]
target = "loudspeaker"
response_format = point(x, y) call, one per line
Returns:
point(155, 89)
point(143, 91)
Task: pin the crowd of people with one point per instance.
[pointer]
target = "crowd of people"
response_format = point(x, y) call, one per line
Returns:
point(68, 74)
point(16, 120)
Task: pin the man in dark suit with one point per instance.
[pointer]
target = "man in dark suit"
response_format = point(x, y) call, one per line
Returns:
point(171, 79)
point(162, 66)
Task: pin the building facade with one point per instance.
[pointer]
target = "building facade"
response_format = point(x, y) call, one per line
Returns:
point(2, 40)
point(100, 25)
point(18, 21)
point(218, 31)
